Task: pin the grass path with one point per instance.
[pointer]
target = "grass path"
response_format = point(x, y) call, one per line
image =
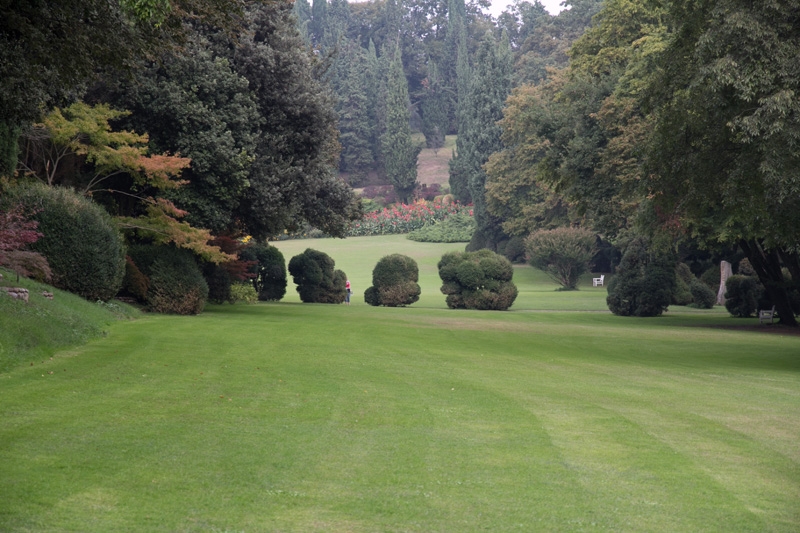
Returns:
point(297, 417)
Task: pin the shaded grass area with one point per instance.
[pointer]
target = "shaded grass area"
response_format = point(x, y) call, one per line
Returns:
point(36, 330)
point(297, 417)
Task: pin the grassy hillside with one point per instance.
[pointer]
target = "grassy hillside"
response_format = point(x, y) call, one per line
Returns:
point(298, 417)
point(36, 330)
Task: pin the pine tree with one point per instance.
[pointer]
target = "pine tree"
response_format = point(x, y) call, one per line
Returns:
point(398, 150)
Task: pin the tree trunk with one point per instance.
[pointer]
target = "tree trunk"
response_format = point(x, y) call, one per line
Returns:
point(767, 265)
point(725, 271)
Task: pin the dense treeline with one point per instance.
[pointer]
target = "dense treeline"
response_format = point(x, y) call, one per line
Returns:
point(667, 124)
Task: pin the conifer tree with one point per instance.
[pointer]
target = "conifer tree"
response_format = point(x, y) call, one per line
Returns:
point(479, 134)
point(434, 108)
point(398, 150)
point(302, 12)
point(355, 130)
point(319, 15)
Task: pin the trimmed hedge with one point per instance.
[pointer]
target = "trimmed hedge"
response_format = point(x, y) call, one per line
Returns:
point(644, 283)
point(394, 282)
point(270, 270)
point(176, 284)
point(702, 295)
point(741, 295)
point(85, 251)
point(316, 279)
point(477, 280)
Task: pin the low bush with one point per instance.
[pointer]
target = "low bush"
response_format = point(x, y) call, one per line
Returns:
point(683, 280)
point(394, 282)
point(316, 278)
point(458, 227)
point(176, 284)
point(243, 292)
point(742, 294)
point(477, 280)
point(644, 282)
point(270, 279)
point(513, 249)
point(702, 296)
point(562, 253)
point(83, 248)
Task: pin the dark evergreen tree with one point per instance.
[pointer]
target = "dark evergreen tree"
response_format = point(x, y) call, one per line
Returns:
point(479, 133)
point(399, 152)
point(434, 108)
point(293, 178)
point(195, 104)
point(373, 84)
point(319, 16)
point(355, 128)
point(302, 12)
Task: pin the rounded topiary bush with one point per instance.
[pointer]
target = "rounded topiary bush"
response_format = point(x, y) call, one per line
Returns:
point(477, 280)
point(270, 271)
point(316, 278)
point(741, 295)
point(176, 283)
point(702, 296)
point(563, 254)
point(83, 247)
point(394, 282)
point(644, 283)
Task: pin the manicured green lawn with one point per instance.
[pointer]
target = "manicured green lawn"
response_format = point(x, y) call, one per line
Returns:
point(295, 417)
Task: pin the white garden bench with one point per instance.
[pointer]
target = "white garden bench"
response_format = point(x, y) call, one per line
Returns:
point(766, 314)
point(598, 282)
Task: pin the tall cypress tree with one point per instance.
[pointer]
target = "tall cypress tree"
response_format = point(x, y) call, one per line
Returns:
point(319, 16)
point(398, 150)
point(376, 103)
point(434, 108)
point(302, 12)
point(355, 130)
point(479, 137)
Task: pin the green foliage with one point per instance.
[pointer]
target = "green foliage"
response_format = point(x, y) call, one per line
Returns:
point(723, 157)
point(513, 249)
point(134, 283)
point(270, 270)
point(394, 282)
point(457, 227)
point(176, 283)
point(317, 281)
point(563, 254)
point(702, 296)
point(50, 51)
point(9, 149)
point(355, 128)
point(477, 280)
point(243, 292)
point(478, 133)
point(742, 294)
point(219, 283)
point(85, 251)
point(644, 283)
point(683, 283)
point(398, 151)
